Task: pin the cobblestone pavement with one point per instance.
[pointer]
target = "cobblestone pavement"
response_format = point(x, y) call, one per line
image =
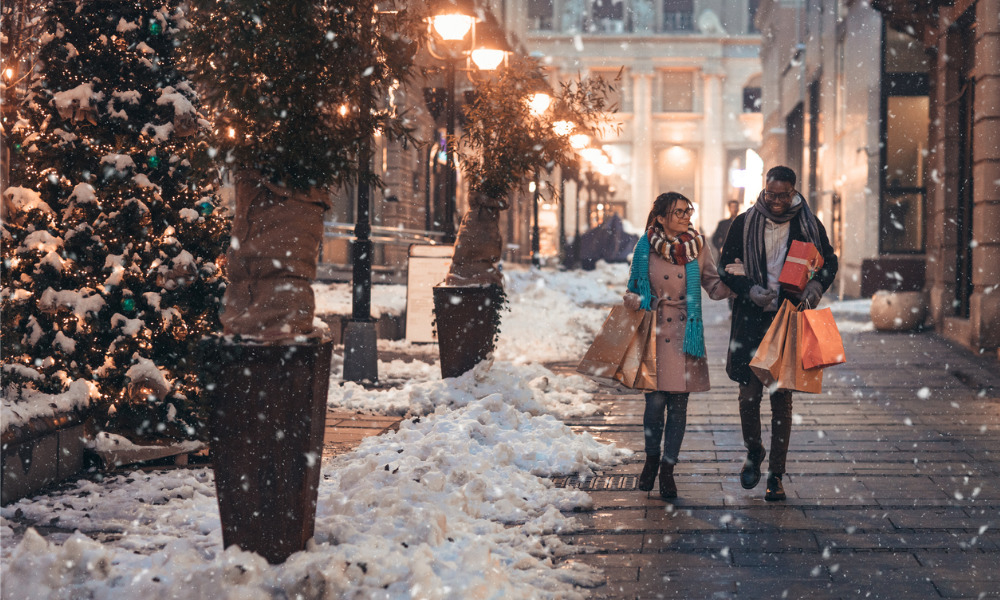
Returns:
point(892, 485)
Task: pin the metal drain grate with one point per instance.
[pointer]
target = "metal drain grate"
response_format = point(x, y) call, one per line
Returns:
point(599, 483)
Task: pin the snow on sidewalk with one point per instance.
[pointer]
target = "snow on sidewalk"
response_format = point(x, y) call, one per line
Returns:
point(456, 504)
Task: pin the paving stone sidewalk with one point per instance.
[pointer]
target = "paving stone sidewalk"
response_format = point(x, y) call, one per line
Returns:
point(892, 485)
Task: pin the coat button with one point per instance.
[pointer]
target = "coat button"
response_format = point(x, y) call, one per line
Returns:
point(683, 317)
point(680, 276)
point(666, 276)
point(669, 298)
point(667, 340)
point(681, 298)
point(669, 319)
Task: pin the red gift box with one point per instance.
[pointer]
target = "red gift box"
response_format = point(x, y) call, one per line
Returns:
point(801, 264)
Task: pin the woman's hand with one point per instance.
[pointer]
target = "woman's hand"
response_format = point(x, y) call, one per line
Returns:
point(632, 301)
point(736, 268)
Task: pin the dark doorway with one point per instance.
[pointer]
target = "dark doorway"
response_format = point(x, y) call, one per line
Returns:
point(964, 59)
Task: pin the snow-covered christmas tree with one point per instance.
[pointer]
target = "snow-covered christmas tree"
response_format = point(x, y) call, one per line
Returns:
point(113, 236)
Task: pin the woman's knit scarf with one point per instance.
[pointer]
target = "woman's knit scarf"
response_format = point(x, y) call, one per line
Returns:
point(682, 250)
point(753, 234)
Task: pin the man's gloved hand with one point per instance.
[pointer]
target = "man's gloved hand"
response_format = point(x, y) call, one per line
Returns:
point(812, 294)
point(762, 297)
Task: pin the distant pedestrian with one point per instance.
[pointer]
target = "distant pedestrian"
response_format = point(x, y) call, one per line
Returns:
point(760, 238)
point(670, 266)
point(722, 229)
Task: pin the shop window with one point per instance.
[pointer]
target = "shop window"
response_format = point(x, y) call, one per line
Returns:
point(678, 15)
point(678, 91)
point(751, 99)
point(541, 15)
point(615, 96)
point(752, 6)
point(608, 16)
point(905, 120)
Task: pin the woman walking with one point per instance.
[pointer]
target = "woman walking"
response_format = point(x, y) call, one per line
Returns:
point(670, 265)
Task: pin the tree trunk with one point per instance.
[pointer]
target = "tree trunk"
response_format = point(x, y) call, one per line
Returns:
point(272, 261)
point(478, 245)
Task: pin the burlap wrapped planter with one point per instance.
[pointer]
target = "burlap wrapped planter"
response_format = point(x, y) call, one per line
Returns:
point(898, 311)
point(466, 318)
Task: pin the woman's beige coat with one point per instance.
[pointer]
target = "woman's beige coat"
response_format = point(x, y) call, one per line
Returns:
point(675, 371)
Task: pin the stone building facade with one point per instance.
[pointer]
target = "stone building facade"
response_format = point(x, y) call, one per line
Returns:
point(688, 96)
point(961, 39)
point(889, 111)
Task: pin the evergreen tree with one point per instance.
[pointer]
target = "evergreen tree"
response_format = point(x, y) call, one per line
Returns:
point(114, 234)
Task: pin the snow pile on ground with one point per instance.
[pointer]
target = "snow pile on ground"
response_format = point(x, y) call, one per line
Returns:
point(851, 316)
point(527, 387)
point(335, 299)
point(451, 506)
point(554, 315)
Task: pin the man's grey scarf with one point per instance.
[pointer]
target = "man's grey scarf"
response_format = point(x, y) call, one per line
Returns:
point(753, 234)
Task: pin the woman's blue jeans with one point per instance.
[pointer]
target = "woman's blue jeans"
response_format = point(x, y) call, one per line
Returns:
point(675, 406)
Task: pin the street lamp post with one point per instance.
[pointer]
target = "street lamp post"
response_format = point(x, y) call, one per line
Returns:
point(452, 24)
point(538, 103)
point(562, 217)
point(451, 175)
point(535, 242)
point(360, 337)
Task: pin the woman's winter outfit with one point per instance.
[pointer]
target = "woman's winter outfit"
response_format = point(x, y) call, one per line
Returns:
point(668, 275)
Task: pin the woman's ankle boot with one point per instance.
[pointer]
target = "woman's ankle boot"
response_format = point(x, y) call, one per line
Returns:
point(668, 489)
point(648, 475)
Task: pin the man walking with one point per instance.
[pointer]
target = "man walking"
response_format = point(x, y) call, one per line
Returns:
point(722, 229)
point(760, 238)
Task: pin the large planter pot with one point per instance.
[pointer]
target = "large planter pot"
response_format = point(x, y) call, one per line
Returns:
point(466, 318)
point(267, 423)
point(41, 452)
point(898, 311)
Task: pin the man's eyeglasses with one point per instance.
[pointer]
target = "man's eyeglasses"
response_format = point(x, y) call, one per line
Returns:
point(771, 196)
point(680, 213)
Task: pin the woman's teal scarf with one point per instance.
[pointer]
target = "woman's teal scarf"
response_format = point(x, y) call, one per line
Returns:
point(638, 283)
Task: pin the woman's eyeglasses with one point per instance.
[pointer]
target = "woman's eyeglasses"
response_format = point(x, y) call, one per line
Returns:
point(680, 213)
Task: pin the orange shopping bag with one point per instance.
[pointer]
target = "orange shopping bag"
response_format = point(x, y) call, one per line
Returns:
point(766, 362)
point(820, 344)
point(792, 375)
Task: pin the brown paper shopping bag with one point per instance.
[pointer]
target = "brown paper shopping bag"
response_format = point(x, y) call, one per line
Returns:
point(820, 344)
point(638, 367)
point(612, 341)
point(765, 363)
point(792, 375)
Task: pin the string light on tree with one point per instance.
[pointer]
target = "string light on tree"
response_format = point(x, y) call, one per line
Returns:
point(106, 165)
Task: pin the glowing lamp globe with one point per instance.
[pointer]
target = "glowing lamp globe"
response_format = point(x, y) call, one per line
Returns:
point(539, 102)
point(488, 59)
point(563, 128)
point(452, 27)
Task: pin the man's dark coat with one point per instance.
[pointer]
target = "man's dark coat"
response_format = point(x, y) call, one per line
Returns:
point(750, 322)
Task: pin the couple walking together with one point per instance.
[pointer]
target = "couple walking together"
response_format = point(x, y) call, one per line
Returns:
point(670, 265)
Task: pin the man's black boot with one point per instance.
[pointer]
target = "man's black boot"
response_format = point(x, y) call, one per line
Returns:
point(775, 491)
point(648, 475)
point(750, 473)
